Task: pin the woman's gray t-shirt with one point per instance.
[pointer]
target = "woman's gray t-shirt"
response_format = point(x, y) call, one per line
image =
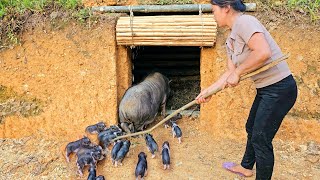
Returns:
point(238, 51)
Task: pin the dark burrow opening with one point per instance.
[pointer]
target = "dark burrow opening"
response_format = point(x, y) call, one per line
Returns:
point(181, 64)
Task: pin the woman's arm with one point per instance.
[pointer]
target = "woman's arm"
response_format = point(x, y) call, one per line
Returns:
point(260, 53)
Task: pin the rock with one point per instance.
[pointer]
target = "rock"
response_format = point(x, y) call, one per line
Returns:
point(25, 87)
point(313, 148)
point(284, 157)
point(290, 149)
point(54, 15)
point(300, 58)
point(18, 56)
point(179, 163)
point(312, 158)
point(301, 11)
point(303, 148)
point(292, 172)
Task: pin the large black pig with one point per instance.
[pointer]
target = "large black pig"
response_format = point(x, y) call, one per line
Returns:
point(140, 104)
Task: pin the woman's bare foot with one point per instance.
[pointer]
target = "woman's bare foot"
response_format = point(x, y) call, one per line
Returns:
point(242, 170)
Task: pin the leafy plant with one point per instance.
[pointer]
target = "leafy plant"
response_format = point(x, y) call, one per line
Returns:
point(310, 6)
point(83, 14)
point(70, 4)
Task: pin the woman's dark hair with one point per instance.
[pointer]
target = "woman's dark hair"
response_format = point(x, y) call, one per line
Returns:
point(235, 4)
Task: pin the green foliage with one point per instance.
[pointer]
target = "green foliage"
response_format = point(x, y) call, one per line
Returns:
point(310, 6)
point(13, 39)
point(83, 14)
point(70, 4)
point(21, 6)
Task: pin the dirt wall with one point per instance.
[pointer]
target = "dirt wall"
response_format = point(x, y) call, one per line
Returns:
point(124, 70)
point(225, 115)
point(72, 70)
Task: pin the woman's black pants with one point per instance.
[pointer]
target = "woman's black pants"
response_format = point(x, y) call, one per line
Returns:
point(270, 106)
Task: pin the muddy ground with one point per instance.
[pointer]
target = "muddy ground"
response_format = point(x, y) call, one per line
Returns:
point(199, 156)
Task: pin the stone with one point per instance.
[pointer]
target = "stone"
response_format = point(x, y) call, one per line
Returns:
point(299, 57)
point(54, 15)
point(303, 148)
point(312, 158)
point(313, 148)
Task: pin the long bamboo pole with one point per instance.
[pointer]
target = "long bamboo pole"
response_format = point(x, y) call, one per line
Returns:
point(265, 67)
point(205, 8)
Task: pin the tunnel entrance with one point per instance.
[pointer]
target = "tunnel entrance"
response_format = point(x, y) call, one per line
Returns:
point(181, 64)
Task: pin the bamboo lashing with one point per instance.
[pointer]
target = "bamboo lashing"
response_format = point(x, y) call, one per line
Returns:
point(178, 30)
point(213, 92)
point(200, 14)
point(131, 26)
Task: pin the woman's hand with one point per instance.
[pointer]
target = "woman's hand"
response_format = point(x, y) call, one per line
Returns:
point(233, 79)
point(200, 98)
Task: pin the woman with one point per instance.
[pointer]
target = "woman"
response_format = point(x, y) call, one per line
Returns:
point(250, 46)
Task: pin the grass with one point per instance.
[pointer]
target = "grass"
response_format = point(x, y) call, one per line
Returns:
point(310, 6)
point(14, 14)
point(20, 6)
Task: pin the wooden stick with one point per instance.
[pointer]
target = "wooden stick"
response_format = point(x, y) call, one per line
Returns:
point(170, 16)
point(174, 38)
point(263, 68)
point(169, 43)
point(205, 23)
point(135, 27)
point(160, 34)
point(199, 30)
point(177, 40)
point(169, 19)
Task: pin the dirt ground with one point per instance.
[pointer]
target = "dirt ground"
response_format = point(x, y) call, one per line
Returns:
point(43, 71)
point(199, 156)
